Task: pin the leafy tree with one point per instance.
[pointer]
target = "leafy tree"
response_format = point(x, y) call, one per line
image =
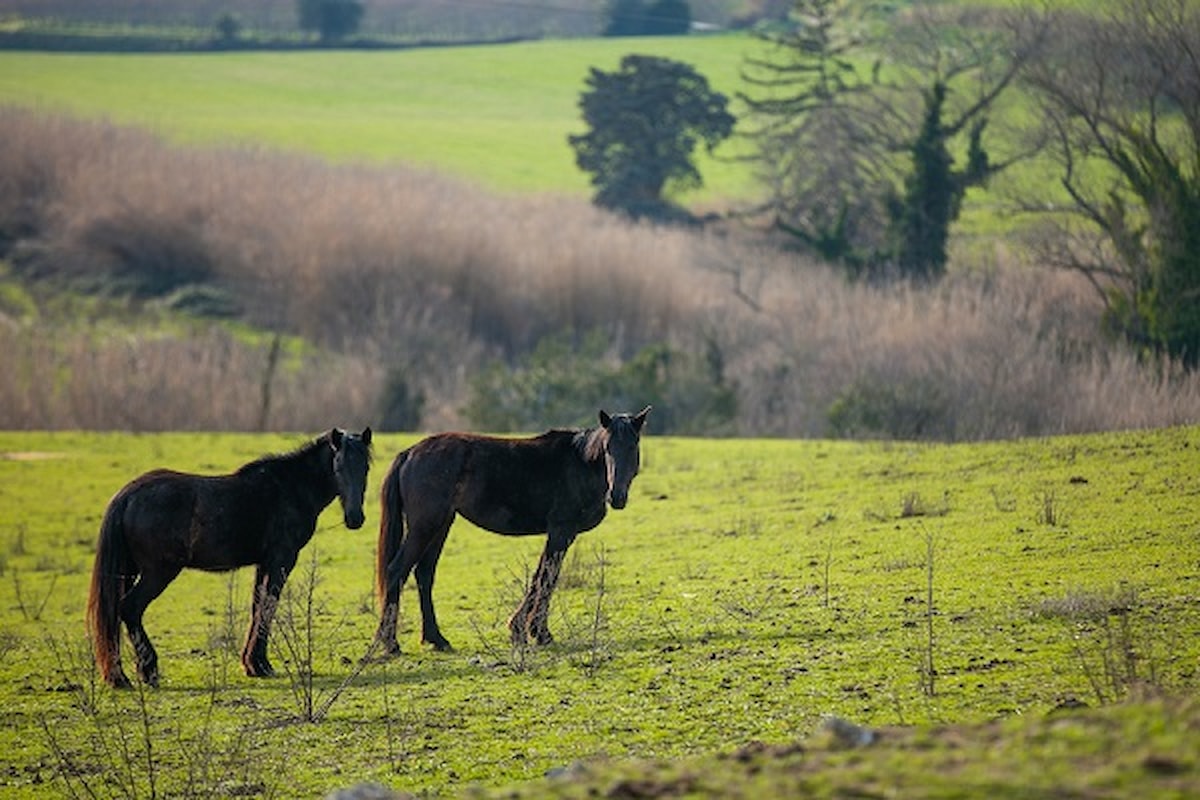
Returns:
point(638, 18)
point(228, 28)
point(331, 20)
point(401, 404)
point(1121, 98)
point(668, 18)
point(854, 131)
point(644, 122)
point(625, 18)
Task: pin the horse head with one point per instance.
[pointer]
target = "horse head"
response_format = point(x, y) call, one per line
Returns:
point(351, 461)
point(622, 455)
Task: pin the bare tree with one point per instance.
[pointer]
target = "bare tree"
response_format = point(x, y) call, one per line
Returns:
point(816, 137)
point(857, 116)
point(1120, 96)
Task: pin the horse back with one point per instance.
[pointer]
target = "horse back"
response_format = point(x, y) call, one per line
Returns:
point(506, 485)
point(205, 522)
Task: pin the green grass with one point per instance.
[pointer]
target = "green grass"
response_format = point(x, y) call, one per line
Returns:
point(750, 588)
point(498, 114)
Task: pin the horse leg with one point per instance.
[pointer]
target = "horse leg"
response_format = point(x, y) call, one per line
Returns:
point(530, 620)
point(150, 585)
point(398, 570)
point(268, 584)
point(424, 533)
point(385, 634)
point(425, 573)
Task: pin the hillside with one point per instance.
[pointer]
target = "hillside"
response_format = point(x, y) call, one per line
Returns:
point(386, 236)
point(497, 115)
point(294, 291)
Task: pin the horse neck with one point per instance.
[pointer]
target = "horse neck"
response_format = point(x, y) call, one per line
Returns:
point(312, 468)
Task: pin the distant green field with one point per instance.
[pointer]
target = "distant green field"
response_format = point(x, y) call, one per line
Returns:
point(749, 588)
point(500, 114)
point(497, 115)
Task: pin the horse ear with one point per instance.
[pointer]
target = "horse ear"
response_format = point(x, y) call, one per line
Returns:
point(335, 438)
point(605, 419)
point(366, 436)
point(639, 419)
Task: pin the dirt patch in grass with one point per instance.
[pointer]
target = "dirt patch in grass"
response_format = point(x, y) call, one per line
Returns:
point(30, 455)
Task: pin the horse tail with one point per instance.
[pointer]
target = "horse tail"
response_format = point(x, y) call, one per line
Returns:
point(391, 526)
point(112, 574)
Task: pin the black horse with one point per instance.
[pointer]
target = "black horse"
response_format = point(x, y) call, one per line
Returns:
point(262, 514)
point(556, 483)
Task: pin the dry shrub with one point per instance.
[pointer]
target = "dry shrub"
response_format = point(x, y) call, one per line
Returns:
point(389, 269)
point(1014, 352)
point(84, 378)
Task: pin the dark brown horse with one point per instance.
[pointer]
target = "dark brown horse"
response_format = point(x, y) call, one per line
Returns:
point(556, 483)
point(262, 514)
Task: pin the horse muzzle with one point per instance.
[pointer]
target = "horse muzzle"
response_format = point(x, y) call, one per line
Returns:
point(618, 499)
point(354, 519)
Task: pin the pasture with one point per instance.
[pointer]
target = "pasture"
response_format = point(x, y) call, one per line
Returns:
point(749, 588)
point(498, 114)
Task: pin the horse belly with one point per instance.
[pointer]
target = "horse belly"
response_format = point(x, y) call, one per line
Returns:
point(506, 520)
point(225, 535)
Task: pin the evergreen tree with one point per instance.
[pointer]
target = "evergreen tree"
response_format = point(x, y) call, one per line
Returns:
point(819, 146)
point(933, 192)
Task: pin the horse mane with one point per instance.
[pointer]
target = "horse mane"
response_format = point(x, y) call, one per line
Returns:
point(590, 442)
point(298, 454)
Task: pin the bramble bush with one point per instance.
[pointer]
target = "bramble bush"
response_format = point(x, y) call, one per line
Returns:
point(563, 381)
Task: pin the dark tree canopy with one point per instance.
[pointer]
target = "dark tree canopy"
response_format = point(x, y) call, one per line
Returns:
point(640, 18)
point(332, 20)
point(644, 122)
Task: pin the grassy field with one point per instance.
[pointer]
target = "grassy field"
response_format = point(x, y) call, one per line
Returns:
point(750, 588)
point(498, 114)
point(495, 115)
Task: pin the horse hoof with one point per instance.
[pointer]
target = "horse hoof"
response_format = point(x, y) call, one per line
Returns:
point(519, 631)
point(121, 682)
point(259, 670)
point(386, 649)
